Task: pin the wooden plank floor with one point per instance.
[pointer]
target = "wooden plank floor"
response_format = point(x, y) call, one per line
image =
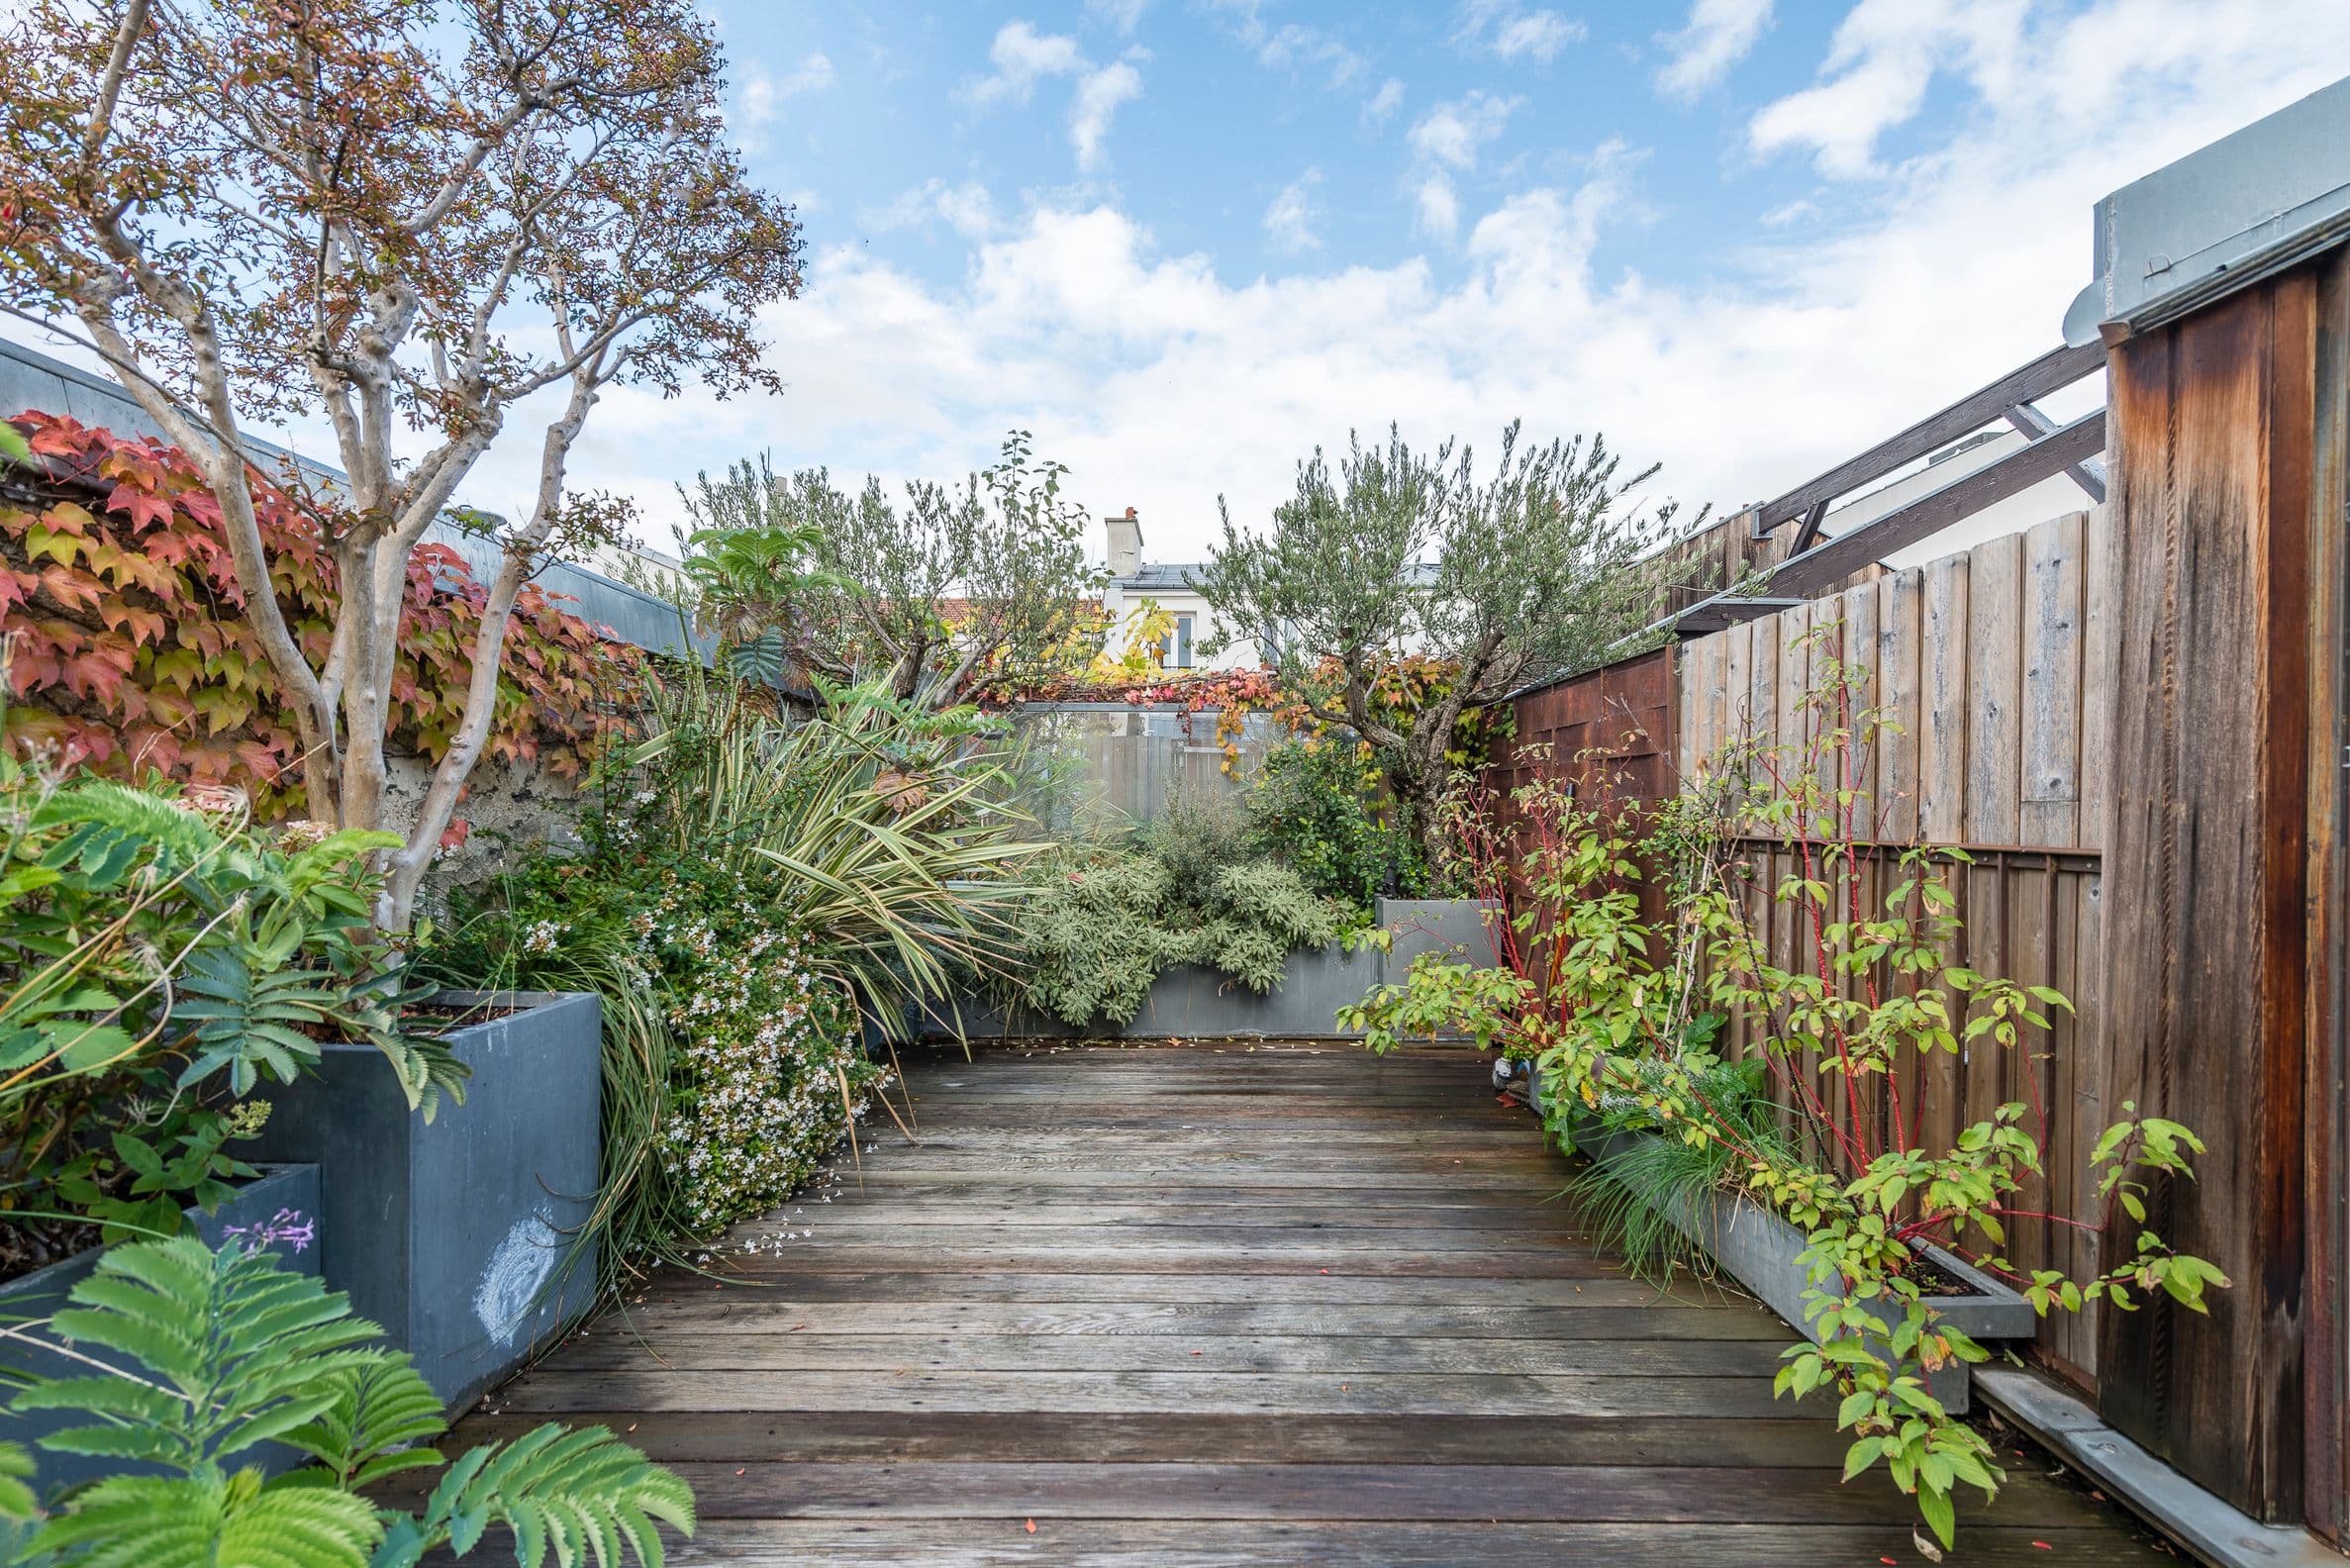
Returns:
point(1187, 1305)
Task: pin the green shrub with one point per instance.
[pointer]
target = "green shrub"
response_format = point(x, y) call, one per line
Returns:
point(1105, 925)
point(1310, 806)
point(1196, 838)
point(159, 957)
point(748, 892)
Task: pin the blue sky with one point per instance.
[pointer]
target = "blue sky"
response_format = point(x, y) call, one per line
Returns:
point(1183, 242)
point(1277, 139)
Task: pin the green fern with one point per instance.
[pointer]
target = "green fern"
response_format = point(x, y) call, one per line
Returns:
point(249, 1010)
point(231, 1351)
point(561, 1492)
point(207, 1519)
point(236, 1351)
point(380, 1418)
point(111, 827)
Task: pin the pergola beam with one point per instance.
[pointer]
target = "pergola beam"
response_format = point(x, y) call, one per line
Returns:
point(1800, 578)
point(2058, 451)
point(2052, 372)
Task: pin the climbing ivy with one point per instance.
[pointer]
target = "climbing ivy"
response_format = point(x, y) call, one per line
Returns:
point(130, 654)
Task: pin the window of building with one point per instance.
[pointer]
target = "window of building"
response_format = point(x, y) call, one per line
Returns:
point(1175, 649)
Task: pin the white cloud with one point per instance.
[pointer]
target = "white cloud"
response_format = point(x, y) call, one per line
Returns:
point(965, 208)
point(1124, 14)
point(761, 94)
point(1097, 101)
point(1883, 58)
point(1021, 56)
point(1293, 49)
point(1300, 50)
point(1718, 35)
point(1452, 133)
point(1445, 141)
point(1437, 209)
point(1291, 216)
point(1383, 103)
point(1507, 30)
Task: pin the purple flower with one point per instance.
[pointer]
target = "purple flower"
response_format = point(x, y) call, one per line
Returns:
point(287, 1225)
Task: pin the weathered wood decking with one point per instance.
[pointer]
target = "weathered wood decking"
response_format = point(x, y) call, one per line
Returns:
point(1190, 1306)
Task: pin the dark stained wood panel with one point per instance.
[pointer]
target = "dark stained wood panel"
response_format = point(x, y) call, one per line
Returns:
point(1282, 1329)
point(2218, 520)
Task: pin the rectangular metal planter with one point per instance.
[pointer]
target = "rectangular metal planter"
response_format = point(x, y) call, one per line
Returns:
point(25, 1303)
point(1189, 1002)
point(1445, 926)
point(1760, 1250)
point(457, 1234)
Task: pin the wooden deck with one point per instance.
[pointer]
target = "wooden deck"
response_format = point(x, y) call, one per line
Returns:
point(1194, 1307)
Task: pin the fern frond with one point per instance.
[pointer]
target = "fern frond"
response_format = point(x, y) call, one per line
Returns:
point(211, 1519)
point(236, 1351)
point(375, 1426)
point(17, 1502)
point(557, 1492)
point(110, 825)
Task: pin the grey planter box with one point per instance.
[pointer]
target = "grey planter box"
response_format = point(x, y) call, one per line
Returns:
point(1760, 1250)
point(34, 1297)
point(457, 1234)
point(1437, 926)
point(1188, 1002)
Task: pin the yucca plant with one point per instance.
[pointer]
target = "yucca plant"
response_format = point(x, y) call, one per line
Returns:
point(884, 831)
point(225, 1350)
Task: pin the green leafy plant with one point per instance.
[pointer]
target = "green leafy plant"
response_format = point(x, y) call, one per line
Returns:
point(749, 893)
point(1524, 573)
point(1619, 1016)
point(223, 1352)
point(1106, 923)
point(960, 589)
point(159, 958)
point(1315, 809)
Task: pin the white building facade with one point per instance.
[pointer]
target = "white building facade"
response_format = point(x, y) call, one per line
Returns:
point(1136, 585)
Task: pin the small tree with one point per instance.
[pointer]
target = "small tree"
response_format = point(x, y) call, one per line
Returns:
point(984, 583)
point(1526, 575)
point(406, 217)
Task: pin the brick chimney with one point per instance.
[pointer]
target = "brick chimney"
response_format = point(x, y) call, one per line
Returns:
point(1126, 544)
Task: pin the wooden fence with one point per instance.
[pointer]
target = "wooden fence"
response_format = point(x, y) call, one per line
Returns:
point(1979, 664)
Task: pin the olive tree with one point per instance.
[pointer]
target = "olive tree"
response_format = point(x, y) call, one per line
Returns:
point(982, 582)
point(405, 220)
point(1528, 573)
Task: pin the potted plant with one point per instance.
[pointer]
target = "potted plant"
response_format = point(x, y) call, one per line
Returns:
point(179, 980)
point(459, 1228)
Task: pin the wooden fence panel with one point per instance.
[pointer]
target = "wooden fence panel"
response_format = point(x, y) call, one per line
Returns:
point(1942, 704)
point(1978, 666)
point(2053, 570)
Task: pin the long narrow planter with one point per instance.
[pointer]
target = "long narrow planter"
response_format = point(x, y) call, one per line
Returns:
point(1762, 1252)
point(1193, 1002)
point(458, 1235)
point(27, 1303)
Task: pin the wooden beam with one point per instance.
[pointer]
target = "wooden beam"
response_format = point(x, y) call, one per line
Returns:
point(2088, 473)
point(1717, 613)
point(1814, 571)
point(2058, 368)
